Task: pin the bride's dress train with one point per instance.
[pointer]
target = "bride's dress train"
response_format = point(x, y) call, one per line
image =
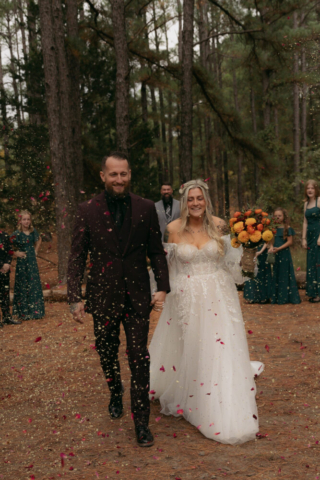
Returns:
point(200, 366)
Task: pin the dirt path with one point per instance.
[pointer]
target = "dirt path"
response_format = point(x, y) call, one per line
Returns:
point(54, 407)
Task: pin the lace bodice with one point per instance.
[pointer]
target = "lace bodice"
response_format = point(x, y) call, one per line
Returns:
point(194, 261)
point(187, 260)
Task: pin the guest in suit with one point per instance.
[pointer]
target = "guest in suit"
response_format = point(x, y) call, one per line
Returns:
point(119, 230)
point(5, 261)
point(168, 209)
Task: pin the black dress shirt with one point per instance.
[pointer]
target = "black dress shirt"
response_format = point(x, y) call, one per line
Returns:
point(118, 207)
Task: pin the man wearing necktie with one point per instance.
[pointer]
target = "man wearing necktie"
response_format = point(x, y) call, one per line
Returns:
point(119, 230)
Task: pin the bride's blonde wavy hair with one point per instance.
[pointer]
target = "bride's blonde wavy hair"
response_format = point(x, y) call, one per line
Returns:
point(208, 223)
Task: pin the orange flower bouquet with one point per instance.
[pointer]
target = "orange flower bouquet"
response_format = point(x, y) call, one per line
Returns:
point(250, 229)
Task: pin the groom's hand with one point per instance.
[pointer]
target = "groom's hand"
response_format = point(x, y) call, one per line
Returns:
point(158, 300)
point(77, 310)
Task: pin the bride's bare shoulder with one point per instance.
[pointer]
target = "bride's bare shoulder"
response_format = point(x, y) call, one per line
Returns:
point(171, 231)
point(174, 226)
point(220, 224)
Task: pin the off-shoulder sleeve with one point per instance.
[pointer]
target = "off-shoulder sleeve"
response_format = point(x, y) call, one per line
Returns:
point(232, 258)
point(169, 249)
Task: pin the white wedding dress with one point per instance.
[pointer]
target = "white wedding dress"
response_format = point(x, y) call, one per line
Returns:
point(200, 366)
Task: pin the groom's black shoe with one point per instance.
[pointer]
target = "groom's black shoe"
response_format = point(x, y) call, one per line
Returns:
point(144, 436)
point(116, 406)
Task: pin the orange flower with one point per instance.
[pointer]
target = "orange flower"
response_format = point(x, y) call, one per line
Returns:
point(260, 227)
point(256, 237)
point(248, 213)
point(232, 221)
point(235, 243)
point(258, 211)
point(264, 214)
point(251, 221)
point(237, 214)
point(266, 221)
point(267, 236)
point(238, 227)
point(250, 229)
point(243, 236)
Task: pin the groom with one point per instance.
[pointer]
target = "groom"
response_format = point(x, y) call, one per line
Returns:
point(119, 230)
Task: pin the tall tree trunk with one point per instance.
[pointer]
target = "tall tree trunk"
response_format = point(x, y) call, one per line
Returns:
point(304, 107)
point(74, 89)
point(266, 101)
point(22, 29)
point(204, 46)
point(144, 102)
point(19, 82)
point(169, 100)
point(296, 115)
point(218, 188)
point(226, 183)
point(276, 123)
point(156, 130)
point(254, 128)
point(202, 145)
point(3, 108)
point(122, 78)
point(161, 103)
point(186, 92)
point(34, 116)
point(61, 139)
point(13, 72)
point(180, 12)
point(240, 154)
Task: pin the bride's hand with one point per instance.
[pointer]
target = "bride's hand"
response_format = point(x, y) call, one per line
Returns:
point(157, 302)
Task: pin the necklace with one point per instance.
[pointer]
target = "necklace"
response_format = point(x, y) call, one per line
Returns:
point(195, 231)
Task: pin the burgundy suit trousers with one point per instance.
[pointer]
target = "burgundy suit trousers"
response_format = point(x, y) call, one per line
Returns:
point(107, 333)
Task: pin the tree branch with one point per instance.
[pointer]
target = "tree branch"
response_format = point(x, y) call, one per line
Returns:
point(227, 33)
point(217, 4)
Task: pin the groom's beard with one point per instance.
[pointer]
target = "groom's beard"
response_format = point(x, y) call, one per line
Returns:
point(123, 194)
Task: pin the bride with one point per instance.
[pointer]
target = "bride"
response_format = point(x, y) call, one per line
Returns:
point(200, 366)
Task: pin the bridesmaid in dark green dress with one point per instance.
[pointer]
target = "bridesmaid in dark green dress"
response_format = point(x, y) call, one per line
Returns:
point(311, 239)
point(258, 290)
point(28, 302)
point(284, 285)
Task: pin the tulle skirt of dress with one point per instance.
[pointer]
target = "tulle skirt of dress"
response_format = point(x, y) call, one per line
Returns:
point(200, 366)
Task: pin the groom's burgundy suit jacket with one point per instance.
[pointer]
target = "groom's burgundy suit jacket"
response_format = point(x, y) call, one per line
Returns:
point(118, 264)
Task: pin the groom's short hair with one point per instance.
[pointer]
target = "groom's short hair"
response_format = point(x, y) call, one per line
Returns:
point(117, 156)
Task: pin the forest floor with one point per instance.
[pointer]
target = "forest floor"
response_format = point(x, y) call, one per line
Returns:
point(54, 420)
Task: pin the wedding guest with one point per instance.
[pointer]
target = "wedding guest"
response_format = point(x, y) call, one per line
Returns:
point(5, 261)
point(168, 209)
point(28, 302)
point(311, 239)
point(258, 289)
point(284, 285)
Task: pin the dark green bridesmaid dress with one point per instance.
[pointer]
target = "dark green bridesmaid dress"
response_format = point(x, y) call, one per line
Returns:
point(313, 253)
point(28, 302)
point(258, 290)
point(284, 285)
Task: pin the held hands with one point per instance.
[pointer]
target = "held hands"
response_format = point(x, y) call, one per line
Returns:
point(158, 301)
point(77, 310)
